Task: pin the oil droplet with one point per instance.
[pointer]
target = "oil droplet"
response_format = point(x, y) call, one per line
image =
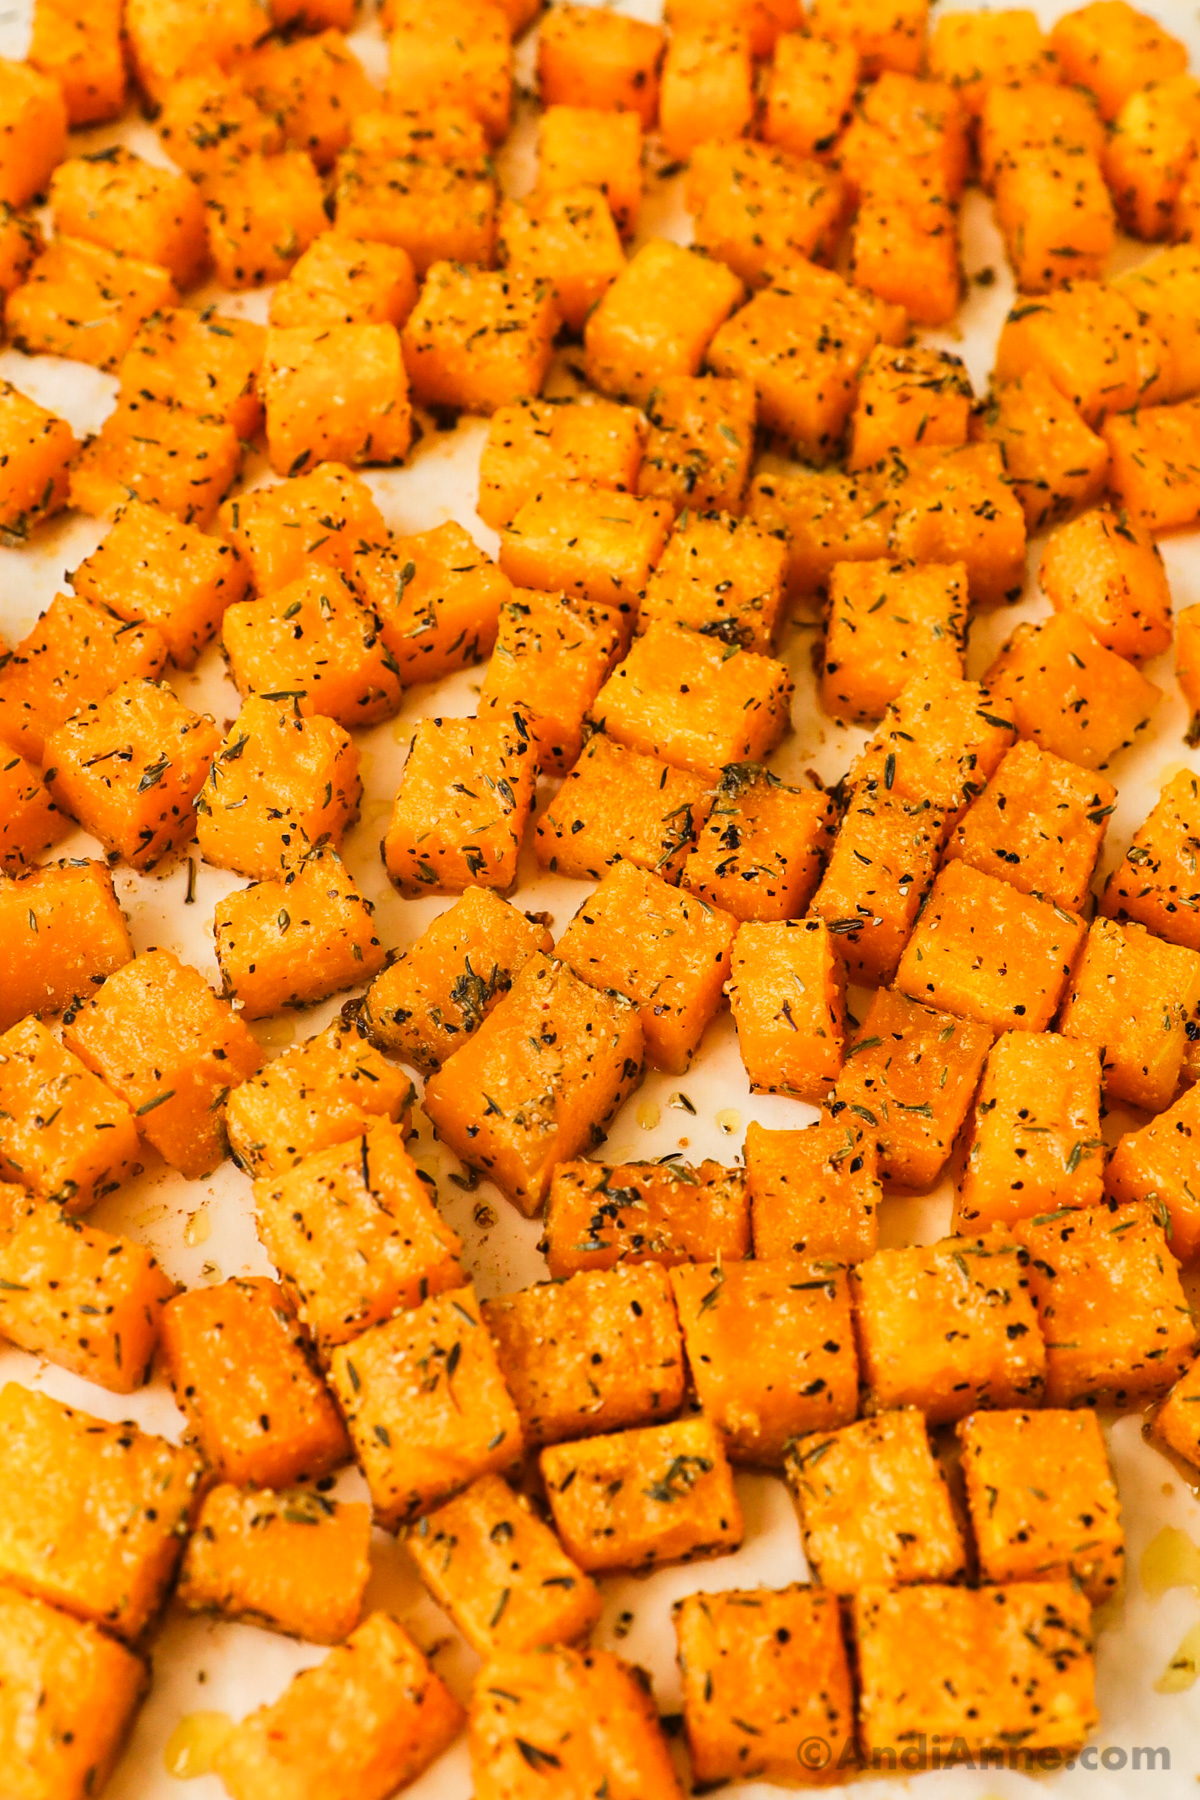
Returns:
point(194, 1742)
point(150, 1215)
point(648, 1115)
point(1170, 1560)
point(275, 1034)
point(211, 1271)
point(198, 1228)
point(729, 1120)
point(1180, 1673)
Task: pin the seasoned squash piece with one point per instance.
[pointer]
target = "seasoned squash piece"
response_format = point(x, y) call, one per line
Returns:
point(462, 805)
point(1054, 461)
point(129, 767)
point(1034, 1141)
point(355, 1235)
point(595, 1352)
point(114, 198)
point(885, 620)
point(910, 1075)
point(700, 442)
point(21, 243)
point(1135, 996)
point(824, 517)
point(261, 213)
point(83, 48)
point(707, 89)
point(367, 1720)
point(1092, 342)
point(907, 144)
point(1116, 1322)
point(1187, 667)
point(70, 1694)
point(1155, 464)
point(94, 1515)
point(538, 1081)
point(83, 1299)
point(1105, 568)
point(85, 302)
point(984, 951)
point(321, 517)
point(335, 393)
point(313, 642)
point(657, 319)
point(663, 1493)
point(581, 1718)
point(447, 134)
point(491, 1563)
point(760, 210)
point(599, 59)
point(435, 211)
point(618, 803)
point(760, 854)
point(873, 1504)
point(33, 130)
point(765, 1677)
point(438, 599)
point(207, 122)
point(452, 53)
point(888, 34)
point(61, 933)
point(959, 506)
point(63, 1134)
point(810, 93)
point(665, 949)
point(156, 452)
point(949, 1327)
point(478, 339)
point(939, 743)
point(787, 991)
point(203, 362)
point(1039, 825)
point(1175, 1421)
point(1147, 157)
point(426, 1405)
point(294, 1561)
point(721, 575)
point(589, 542)
point(908, 399)
point(551, 657)
point(813, 1192)
point(1057, 218)
point(997, 1667)
point(314, 86)
point(978, 50)
point(340, 280)
point(566, 239)
point(1113, 50)
point(36, 448)
point(30, 823)
point(172, 1049)
point(1043, 1501)
point(245, 1379)
point(1156, 1165)
point(880, 869)
point(167, 40)
point(904, 248)
point(592, 146)
point(1070, 694)
point(1164, 291)
point(539, 443)
point(599, 1216)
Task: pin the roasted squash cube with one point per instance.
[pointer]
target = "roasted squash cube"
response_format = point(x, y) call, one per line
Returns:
point(761, 210)
point(1034, 1141)
point(340, 280)
point(479, 339)
point(207, 121)
point(618, 803)
point(436, 211)
point(244, 1377)
point(551, 657)
point(167, 40)
point(1054, 461)
point(721, 575)
point(813, 1192)
point(700, 442)
point(94, 1515)
point(452, 53)
point(707, 91)
point(1175, 1421)
point(760, 854)
point(566, 239)
point(810, 93)
point(33, 130)
point(908, 399)
point(1117, 1324)
point(85, 302)
point(880, 869)
point(1057, 218)
point(885, 620)
point(61, 933)
point(949, 1327)
point(498, 1570)
point(323, 517)
point(599, 1216)
point(1147, 157)
point(1105, 568)
point(586, 541)
point(203, 362)
point(172, 1049)
point(537, 443)
point(30, 823)
point(21, 243)
point(599, 59)
point(438, 598)
point(888, 34)
point(1155, 464)
point(37, 448)
point(788, 994)
point(1093, 343)
point(1043, 1501)
point(314, 86)
point(63, 1134)
point(538, 1081)
point(1163, 289)
point(904, 248)
point(1113, 50)
point(765, 1676)
point(153, 451)
point(978, 50)
point(873, 1504)
point(593, 146)
point(1155, 1165)
point(426, 1404)
point(315, 643)
point(1070, 694)
point(1187, 666)
point(1135, 996)
point(658, 318)
point(261, 213)
point(462, 805)
point(119, 200)
point(335, 393)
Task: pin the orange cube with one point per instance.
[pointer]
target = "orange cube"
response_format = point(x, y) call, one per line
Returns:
point(450, 134)
point(599, 1216)
point(21, 243)
point(1155, 464)
point(880, 869)
point(478, 339)
point(885, 620)
point(314, 86)
point(1054, 461)
point(658, 317)
point(1093, 343)
point(593, 146)
point(1057, 218)
point(908, 399)
point(1136, 997)
point(567, 239)
point(707, 91)
point(810, 93)
point(1147, 158)
point(1073, 697)
point(904, 250)
point(63, 932)
point(599, 59)
point(323, 517)
point(1113, 50)
point(551, 657)
point(886, 36)
point(36, 448)
point(939, 742)
point(204, 362)
point(1034, 1142)
point(262, 212)
point(85, 302)
point(1187, 666)
point(452, 53)
point(787, 991)
point(335, 393)
point(618, 803)
point(463, 804)
point(434, 210)
point(437, 597)
point(313, 642)
point(126, 204)
point(207, 121)
point(591, 543)
point(33, 130)
point(543, 443)
point(814, 1192)
point(761, 210)
point(1155, 1165)
point(1105, 568)
point(340, 280)
point(760, 854)
point(700, 442)
point(64, 1135)
point(1164, 291)
point(764, 21)
point(82, 48)
point(977, 50)
point(180, 461)
point(169, 39)
point(30, 823)
point(1155, 884)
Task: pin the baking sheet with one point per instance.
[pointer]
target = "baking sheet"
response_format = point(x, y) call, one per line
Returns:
point(204, 1231)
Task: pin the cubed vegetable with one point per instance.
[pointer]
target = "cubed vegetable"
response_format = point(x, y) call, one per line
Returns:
point(599, 1215)
point(1034, 1142)
point(1137, 998)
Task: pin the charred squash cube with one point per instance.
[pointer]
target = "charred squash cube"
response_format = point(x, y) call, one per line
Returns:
point(262, 213)
point(885, 620)
point(244, 1376)
point(1113, 50)
point(172, 1049)
point(721, 575)
point(1117, 1324)
point(657, 320)
point(63, 1134)
point(323, 517)
point(589, 542)
point(340, 280)
point(426, 1405)
point(880, 869)
point(566, 239)
point(1034, 1141)
point(810, 93)
point(492, 1564)
point(462, 805)
point(813, 1192)
point(438, 599)
point(119, 200)
point(30, 823)
point(707, 89)
point(1135, 996)
point(1156, 1165)
point(788, 994)
point(314, 85)
point(207, 122)
point(908, 399)
point(94, 1515)
point(456, 54)
point(593, 146)
point(700, 442)
point(586, 58)
point(949, 1327)
point(37, 448)
point(61, 933)
point(538, 1081)
point(438, 212)
point(760, 854)
point(551, 656)
point(33, 130)
point(595, 1352)
point(156, 452)
point(541, 443)
point(1043, 1501)
point(874, 1506)
point(1108, 571)
point(335, 393)
point(601, 1216)
point(665, 949)
point(618, 803)
point(663, 1493)
point(85, 302)
point(760, 210)
point(1068, 693)
point(1155, 464)
point(1054, 461)
point(478, 339)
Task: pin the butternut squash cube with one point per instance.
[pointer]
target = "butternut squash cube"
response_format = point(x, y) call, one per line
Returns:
point(723, 576)
point(83, 49)
point(262, 212)
point(462, 805)
point(85, 302)
point(449, 134)
point(335, 393)
point(873, 1504)
point(618, 803)
point(939, 744)
point(21, 243)
point(367, 1720)
point(1057, 218)
point(538, 1081)
point(341, 280)
point(888, 34)
point(313, 642)
point(1034, 1141)
point(117, 199)
point(599, 59)
point(204, 362)
point(1043, 1501)
point(978, 50)
point(566, 239)
point(594, 147)
point(601, 1216)
point(1070, 694)
point(1092, 342)
point(760, 210)
point(537, 443)
point(700, 442)
point(61, 933)
point(760, 854)
point(813, 1192)
point(1155, 464)
point(787, 991)
point(1109, 571)
point(167, 40)
point(908, 399)
point(1135, 996)
point(36, 448)
point(244, 1376)
point(825, 517)
point(1164, 289)
point(322, 517)
point(810, 93)
point(1187, 666)
point(172, 1050)
point(33, 130)
point(491, 1563)
point(426, 1405)
point(658, 318)
point(1054, 461)
point(437, 212)
point(595, 1352)
point(1156, 1166)
point(479, 339)
point(586, 541)
point(707, 91)
point(438, 598)
point(30, 823)
point(958, 506)
point(885, 619)
point(905, 249)
point(880, 869)
point(452, 53)
point(63, 1134)
point(94, 1515)
point(1116, 1321)
point(207, 122)
point(551, 657)
point(765, 1676)
point(663, 1493)
point(1146, 160)
point(314, 85)
point(1113, 50)
point(949, 1327)
point(153, 451)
